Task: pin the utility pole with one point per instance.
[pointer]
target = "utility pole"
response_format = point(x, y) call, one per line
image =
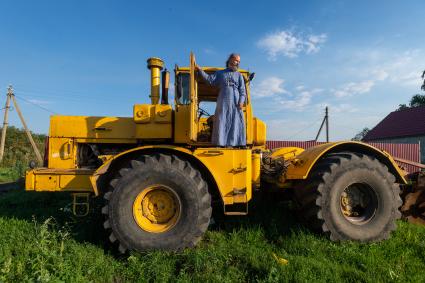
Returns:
point(327, 124)
point(5, 122)
point(11, 96)
point(325, 120)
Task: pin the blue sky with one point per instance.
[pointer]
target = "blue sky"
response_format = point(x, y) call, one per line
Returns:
point(359, 58)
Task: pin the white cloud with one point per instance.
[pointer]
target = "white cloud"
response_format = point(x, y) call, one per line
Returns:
point(289, 44)
point(380, 74)
point(344, 108)
point(298, 102)
point(269, 87)
point(313, 43)
point(40, 102)
point(354, 88)
point(400, 69)
point(209, 51)
point(408, 79)
point(403, 69)
point(340, 108)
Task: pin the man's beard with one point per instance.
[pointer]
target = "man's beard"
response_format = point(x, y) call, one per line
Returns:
point(234, 68)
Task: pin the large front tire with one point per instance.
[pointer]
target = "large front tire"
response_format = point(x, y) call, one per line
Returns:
point(350, 197)
point(157, 202)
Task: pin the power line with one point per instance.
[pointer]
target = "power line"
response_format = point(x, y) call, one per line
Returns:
point(73, 98)
point(67, 93)
point(35, 104)
point(303, 129)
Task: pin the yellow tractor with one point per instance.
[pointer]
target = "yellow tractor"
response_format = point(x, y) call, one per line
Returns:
point(161, 176)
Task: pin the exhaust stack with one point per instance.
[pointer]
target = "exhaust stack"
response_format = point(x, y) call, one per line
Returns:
point(155, 65)
point(165, 86)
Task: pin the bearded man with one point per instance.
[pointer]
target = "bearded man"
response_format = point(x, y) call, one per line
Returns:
point(229, 126)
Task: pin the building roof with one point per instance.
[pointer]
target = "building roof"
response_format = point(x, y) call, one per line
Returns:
point(402, 123)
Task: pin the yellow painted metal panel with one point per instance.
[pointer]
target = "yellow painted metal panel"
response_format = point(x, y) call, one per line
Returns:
point(259, 132)
point(154, 131)
point(153, 121)
point(182, 124)
point(210, 69)
point(193, 133)
point(148, 113)
point(289, 152)
point(232, 170)
point(143, 113)
point(92, 127)
point(248, 114)
point(46, 183)
point(163, 113)
point(43, 179)
point(62, 152)
point(304, 162)
point(75, 181)
point(92, 140)
point(256, 170)
point(29, 180)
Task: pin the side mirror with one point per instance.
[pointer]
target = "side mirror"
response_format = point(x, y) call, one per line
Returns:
point(251, 76)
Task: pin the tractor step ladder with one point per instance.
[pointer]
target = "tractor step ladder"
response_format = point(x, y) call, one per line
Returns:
point(240, 203)
point(80, 204)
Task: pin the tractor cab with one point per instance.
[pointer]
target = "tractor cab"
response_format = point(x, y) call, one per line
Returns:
point(195, 103)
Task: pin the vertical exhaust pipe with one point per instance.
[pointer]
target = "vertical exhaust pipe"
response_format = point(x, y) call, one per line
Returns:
point(155, 65)
point(165, 85)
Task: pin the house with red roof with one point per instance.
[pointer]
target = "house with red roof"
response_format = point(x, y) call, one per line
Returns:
point(402, 126)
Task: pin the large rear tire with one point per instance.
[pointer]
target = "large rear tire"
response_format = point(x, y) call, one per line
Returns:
point(157, 202)
point(350, 197)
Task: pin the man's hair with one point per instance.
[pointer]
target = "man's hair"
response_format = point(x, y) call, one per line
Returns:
point(233, 55)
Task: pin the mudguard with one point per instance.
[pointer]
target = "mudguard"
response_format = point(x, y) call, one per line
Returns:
point(109, 160)
point(229, 168)
point(302, 164)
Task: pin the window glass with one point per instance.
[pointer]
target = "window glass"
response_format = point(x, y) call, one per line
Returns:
point(208, 106)
point(182, 89)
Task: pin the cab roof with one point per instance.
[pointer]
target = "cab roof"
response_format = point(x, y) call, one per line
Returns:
point(210, 69)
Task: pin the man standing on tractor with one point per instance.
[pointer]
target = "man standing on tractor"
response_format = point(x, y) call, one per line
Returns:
point(229, 126)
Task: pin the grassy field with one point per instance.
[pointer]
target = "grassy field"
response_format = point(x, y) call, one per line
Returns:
point(40, 240)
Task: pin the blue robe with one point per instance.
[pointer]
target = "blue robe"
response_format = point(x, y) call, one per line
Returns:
point(229, 126)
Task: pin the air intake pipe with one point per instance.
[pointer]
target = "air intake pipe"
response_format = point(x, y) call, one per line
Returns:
point(155, 65)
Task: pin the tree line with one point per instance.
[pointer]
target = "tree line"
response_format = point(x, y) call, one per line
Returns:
point(18, 151)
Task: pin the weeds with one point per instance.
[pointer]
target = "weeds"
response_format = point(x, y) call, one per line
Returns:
point(267, 246)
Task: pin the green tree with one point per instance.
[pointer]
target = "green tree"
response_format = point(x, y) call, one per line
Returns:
point(360, 135)
point(415, 101)
point(18, 152)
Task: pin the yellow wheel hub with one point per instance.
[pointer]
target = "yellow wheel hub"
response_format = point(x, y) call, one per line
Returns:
point(156, 209)
point(358, 203)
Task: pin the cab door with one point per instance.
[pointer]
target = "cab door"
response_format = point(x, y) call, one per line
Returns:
point(193, 92)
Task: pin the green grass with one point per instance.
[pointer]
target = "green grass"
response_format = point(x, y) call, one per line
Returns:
point(41, 241)
point(9, 175)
